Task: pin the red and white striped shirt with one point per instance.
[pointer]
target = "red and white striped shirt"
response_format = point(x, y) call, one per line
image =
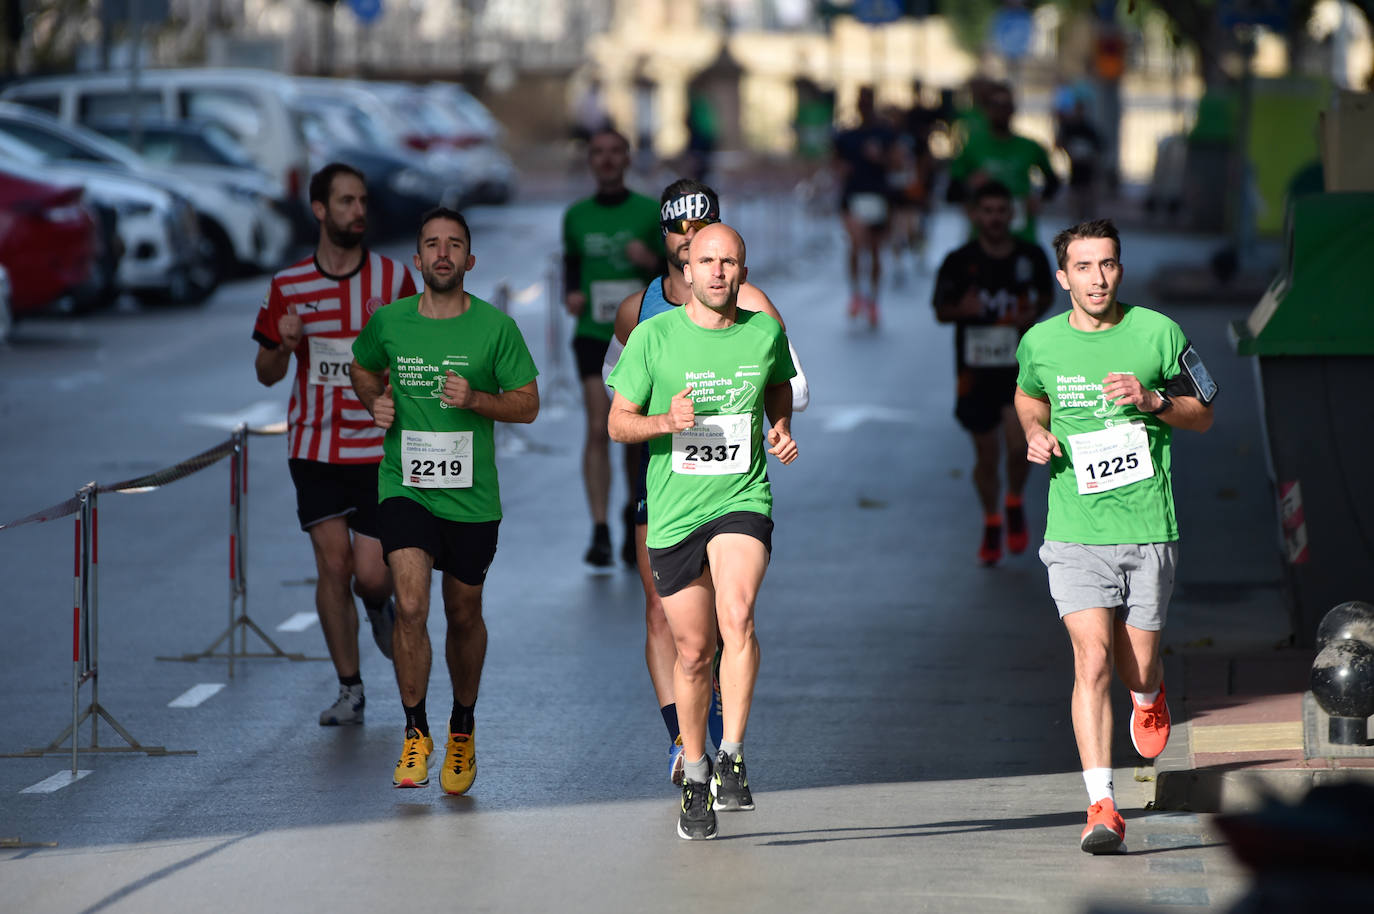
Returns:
point(326, 420)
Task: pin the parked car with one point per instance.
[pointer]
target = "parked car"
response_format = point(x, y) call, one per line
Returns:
point(239, 222)
point(49, 242)
point(399, 186)
point(378, 125)
point(446, 115)
point(252, 104)
point(162, 254)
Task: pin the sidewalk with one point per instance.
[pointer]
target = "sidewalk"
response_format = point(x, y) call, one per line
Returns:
point(1239, 733)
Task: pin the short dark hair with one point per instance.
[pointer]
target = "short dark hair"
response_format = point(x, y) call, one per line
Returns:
point(322, 181)
point(1093, 228)
point(609, 130)
point(991, 189)
point(442, 212)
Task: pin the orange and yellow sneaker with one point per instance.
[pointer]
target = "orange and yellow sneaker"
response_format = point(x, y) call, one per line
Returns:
point(1150, 725)
point(460, 764)
point(413, 768)
point(1105, 832)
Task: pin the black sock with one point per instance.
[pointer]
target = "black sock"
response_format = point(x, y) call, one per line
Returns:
point(416, 718)
point(461, 720)
point(355, 679)
point(669, 713)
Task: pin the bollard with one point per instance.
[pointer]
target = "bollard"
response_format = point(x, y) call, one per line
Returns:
point(1342, 678)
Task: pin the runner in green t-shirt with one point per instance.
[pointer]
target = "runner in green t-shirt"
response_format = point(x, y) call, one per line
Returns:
point(611, 247)
point(436, 371)
point(1099, 392)
point(696, 382)
point(997, 154)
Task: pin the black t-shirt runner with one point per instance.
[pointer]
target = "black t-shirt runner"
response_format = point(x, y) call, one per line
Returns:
point(1011, 288)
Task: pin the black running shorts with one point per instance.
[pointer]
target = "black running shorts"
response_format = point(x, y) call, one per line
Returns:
point(462, 550)
point(982, 395)
point(591, 355)
point(678, 565)
point(325, 490)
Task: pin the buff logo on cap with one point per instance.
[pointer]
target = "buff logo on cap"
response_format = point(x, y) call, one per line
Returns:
point(689, 206)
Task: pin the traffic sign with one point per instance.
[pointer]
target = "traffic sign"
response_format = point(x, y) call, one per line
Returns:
point(367, 11)
point(876, 12)
point(1011, 32)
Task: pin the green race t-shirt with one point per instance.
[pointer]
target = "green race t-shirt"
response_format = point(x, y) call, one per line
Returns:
point(719, 466)
point(1067, 366)
point(1009, 160)
point(443, 457)
point(597, 235)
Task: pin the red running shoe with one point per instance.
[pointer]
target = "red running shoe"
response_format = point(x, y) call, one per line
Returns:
point(1150, 725)
point(1016, 529)
point(1105, 832)
point(990, 553)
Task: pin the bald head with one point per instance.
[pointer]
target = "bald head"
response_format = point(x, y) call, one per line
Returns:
point(715, 266)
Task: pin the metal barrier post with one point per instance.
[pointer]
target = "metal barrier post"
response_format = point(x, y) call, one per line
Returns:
point(85, 650)
point(563, 391)
point(239, 623)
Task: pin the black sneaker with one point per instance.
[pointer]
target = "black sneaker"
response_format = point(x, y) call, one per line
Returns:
point(599, 552)
point(730, 785)
point(697, 822)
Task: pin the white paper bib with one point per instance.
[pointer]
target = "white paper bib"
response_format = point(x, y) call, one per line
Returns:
point(990, 346)
point(330, 359)
point(436, 460)
point(607, 294)
point(1111, 458)
point(715, 446)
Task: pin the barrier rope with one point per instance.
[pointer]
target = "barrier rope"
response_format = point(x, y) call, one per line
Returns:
point(149, 482)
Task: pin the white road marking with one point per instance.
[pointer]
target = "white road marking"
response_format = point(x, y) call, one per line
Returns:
point(264, 412)
point(56, 782)
point(195, 695)
point(848, 418)
point(299, 622)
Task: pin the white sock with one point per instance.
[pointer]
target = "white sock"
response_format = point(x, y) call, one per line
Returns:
point(1099, 784)
point(1146, 698)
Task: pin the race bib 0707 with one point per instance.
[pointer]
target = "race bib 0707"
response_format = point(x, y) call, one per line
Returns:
point(330, 359)
point(715, 446)
point(436, 460)
point(1111, 458)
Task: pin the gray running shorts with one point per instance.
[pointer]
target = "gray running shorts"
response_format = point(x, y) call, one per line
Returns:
point(1135, 578)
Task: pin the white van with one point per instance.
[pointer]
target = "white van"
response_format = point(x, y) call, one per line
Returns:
point(254, 105)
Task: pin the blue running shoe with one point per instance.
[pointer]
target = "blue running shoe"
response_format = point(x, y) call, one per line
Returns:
point(715, 723)
point(675, 762)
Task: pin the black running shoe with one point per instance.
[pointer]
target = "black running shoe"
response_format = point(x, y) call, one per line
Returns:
point(697, 821)
point(730, 785)
point(599, 552)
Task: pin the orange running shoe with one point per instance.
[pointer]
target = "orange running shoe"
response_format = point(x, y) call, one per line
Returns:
point(1017, 538)
point(1150, 725)
point(1105, 832)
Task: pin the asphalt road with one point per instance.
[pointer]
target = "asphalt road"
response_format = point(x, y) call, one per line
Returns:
point(909, 747)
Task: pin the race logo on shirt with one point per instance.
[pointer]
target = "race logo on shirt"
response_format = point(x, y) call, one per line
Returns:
point(726, 395)
point(371, 305)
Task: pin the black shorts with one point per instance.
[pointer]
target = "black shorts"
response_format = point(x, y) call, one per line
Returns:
point(591, 355)
point(642, 487)
point(682, 563)
point(982, 395)
point(325, 490)
point(462, 550)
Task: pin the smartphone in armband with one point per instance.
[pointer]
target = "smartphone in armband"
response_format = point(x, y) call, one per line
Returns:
point(1193, 380)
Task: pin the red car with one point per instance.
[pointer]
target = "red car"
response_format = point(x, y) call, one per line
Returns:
point(49, 241)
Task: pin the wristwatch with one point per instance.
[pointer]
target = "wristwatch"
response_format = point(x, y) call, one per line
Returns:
point(1164, 403)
